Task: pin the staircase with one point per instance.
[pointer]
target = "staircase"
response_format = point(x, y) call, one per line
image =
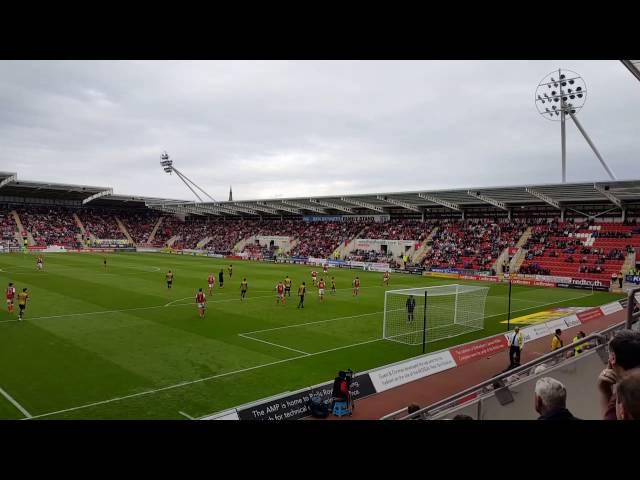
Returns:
point(525, 236)
point(517, 259)
point(497, 266)
point(345, 248)
point(629, 263)
point(79, 223)
point(419, 254)
point(152, 236)
point(243, 243)
point(172, 240)
point(124, 230)
point(30, 239)
point(203, 242)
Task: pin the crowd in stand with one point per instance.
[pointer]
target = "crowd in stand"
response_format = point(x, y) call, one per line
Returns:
point(471, 244)
point(320, 239)
point(50, 225)
point(101, 225)
point(140, 224)
point(397, 230)
point(370, 256)
point(7, 230)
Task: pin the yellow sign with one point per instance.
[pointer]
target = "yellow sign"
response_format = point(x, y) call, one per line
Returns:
point(545, 315)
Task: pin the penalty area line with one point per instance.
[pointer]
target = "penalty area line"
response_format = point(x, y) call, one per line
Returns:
point(200, 380)
point(270, 343)
point(15, 403)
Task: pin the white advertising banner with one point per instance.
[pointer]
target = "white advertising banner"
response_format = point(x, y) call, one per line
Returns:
point(374, 244)
point(396, 375)
point(610, 308)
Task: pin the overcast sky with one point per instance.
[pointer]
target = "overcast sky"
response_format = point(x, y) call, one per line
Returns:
point(298, 128)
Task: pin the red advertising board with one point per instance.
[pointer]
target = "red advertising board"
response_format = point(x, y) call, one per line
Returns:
point(480, 349)
point(589, 315)
point(532, 283)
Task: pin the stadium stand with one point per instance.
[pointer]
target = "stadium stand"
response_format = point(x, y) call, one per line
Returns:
point(100, 224)
point(472, 244)
point(8, 229)
point(139, 224)
point(50, 225)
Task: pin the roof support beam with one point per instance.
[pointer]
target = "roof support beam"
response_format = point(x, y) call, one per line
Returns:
point(612, 198)
point(543, 197)
point(488, 200)
point(259, 208)
point(398, 203)
point(444, 203)
point(633, 66)
point(238, 208)
point(332, 205)
point(362, 204)
point(9, 179)
point(304, 207)
point(97, 195)
point(277, 206)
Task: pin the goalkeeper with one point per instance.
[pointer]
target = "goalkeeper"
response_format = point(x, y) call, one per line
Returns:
point(411, 306)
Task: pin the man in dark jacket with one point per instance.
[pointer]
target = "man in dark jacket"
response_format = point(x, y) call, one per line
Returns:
point(551, 400)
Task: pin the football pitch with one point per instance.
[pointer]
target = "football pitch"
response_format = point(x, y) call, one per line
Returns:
point(117, 344)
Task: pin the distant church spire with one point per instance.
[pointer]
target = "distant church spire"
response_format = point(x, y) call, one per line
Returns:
point(230, 194)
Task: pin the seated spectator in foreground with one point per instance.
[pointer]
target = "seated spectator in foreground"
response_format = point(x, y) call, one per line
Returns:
point(462, 416)
point(624, 355)
point(551, 400)
point(628, 396)
point(413, 408)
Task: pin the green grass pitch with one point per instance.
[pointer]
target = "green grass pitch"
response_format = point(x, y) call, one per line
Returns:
point(117, 344)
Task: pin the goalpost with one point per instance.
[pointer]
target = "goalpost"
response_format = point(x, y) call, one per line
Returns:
point(416, 316)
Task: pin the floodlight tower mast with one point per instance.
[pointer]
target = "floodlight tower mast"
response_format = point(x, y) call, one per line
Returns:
point(167, 165)
point(566, 96)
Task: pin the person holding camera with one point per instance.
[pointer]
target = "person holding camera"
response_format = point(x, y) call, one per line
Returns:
point(341, 389)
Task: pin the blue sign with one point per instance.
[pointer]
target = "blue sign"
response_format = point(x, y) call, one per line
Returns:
point(633, 279)
point(324, 218)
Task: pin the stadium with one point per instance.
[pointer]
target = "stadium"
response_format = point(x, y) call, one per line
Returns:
point(157, 308)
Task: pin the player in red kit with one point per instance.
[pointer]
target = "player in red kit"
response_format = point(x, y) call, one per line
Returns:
point(385, 279)
point(321, 289)
point(211, 281)
point(356, 286)
point(201, 300)
point(11, 295)
point(314, 277)
point(280, 290)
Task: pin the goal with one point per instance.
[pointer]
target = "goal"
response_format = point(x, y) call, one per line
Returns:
point(415, 316)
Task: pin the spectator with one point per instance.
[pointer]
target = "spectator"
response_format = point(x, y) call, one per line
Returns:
point(624, 355)
point(462, 416)
point(551, 399)
point(628, 396)
point(556, 341)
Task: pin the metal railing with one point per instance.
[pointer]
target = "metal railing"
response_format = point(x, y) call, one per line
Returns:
point(500, 381)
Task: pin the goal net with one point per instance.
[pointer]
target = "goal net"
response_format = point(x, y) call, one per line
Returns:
point(447, 311)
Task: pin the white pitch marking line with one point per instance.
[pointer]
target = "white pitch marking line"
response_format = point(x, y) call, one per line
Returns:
point(15, 403)
point(270, 343)
point(311, 323)
point(186, 415)
point(212, 377)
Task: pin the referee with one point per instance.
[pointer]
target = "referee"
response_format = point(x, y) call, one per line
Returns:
point(411, 306)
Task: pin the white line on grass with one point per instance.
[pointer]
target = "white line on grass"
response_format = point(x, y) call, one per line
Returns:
point(199, 380)
point(270, 343)
point(311, 323)
point(15, 403)
point(186, 415)
point(243, 370)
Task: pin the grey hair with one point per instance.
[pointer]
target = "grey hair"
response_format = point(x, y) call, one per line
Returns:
point(551, 392)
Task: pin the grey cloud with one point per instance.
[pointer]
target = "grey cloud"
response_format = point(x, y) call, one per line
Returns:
point(306, 128)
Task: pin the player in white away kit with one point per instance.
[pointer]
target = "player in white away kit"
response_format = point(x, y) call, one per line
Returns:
point(385, 279)
point(314, 277)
